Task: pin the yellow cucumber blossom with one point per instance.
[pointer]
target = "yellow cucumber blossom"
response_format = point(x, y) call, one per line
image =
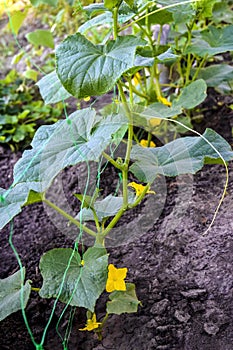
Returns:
point(136, 79)
point(91, 324)
point(144, 143)
point(164, 101)
point(139, 188)
point(116, 278)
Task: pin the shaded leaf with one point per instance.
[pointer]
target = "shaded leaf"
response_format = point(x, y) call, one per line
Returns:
point(12, 201)
point(215, 74)
point(81, 285)
point(105, 208)
point(10, 294)
point(214, 41)
point(185, 155)
point(123, 301)
point(192, 95)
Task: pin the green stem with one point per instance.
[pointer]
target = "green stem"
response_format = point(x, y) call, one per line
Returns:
point(114, 221)
point(115, 23)
point(129, 146)
point(69, 217)
point(112, 161)
point(139, 198)
point(199, 67)
point(135, 91)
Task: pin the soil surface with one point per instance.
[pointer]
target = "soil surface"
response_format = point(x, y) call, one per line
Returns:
point(183, 278)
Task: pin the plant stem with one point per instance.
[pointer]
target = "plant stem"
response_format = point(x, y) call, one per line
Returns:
point(70, 218)
point(135, 91)
point(112, 161)
point(115, 23)
point(114, 221)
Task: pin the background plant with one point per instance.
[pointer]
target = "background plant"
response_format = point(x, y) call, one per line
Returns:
point(22, 111)
point(130, 63)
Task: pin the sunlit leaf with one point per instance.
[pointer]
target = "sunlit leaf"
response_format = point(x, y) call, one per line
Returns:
point(51, 89)
point(41, 37)
point(87, 70)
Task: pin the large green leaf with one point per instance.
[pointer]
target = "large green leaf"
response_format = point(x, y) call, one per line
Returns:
point(215, 74)
point(66, 278)
point(62, 144)
point(10, 294)
point(213, 41)
point(86, 69)
point(123, 302)
point(51, 89)
point(186, 155)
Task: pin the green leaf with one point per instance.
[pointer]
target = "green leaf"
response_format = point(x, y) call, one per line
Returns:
point(86, 69)
point(185, 155)
point(123, 302)
point(160, 17)
point(101, 19)
point(167, 56)
point(41, 37)
point(87, 201)
point(51, 89)
point(105, 208)
point(182, 13)
point(47, 2)
point(66, 278)
point(110, 4)
point(192, 95)
point(11, 202)
point(130, 2)
point(214, 41)
point(31, 74)
point(204, 8)
point(216, 74)
point(94, 9)
point(17, 19)
point(8, 119)
point(149, 118)
point(62, 144)
point(10, 294)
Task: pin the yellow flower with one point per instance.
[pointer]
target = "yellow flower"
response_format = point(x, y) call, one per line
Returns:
point(91, 324)
point(164, 101)
point(86, 99)
point(139, 188)
point(116, 278)
point(136, 79)
point(144, 143)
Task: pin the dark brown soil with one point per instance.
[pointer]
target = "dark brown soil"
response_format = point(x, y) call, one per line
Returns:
point(183, 279)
